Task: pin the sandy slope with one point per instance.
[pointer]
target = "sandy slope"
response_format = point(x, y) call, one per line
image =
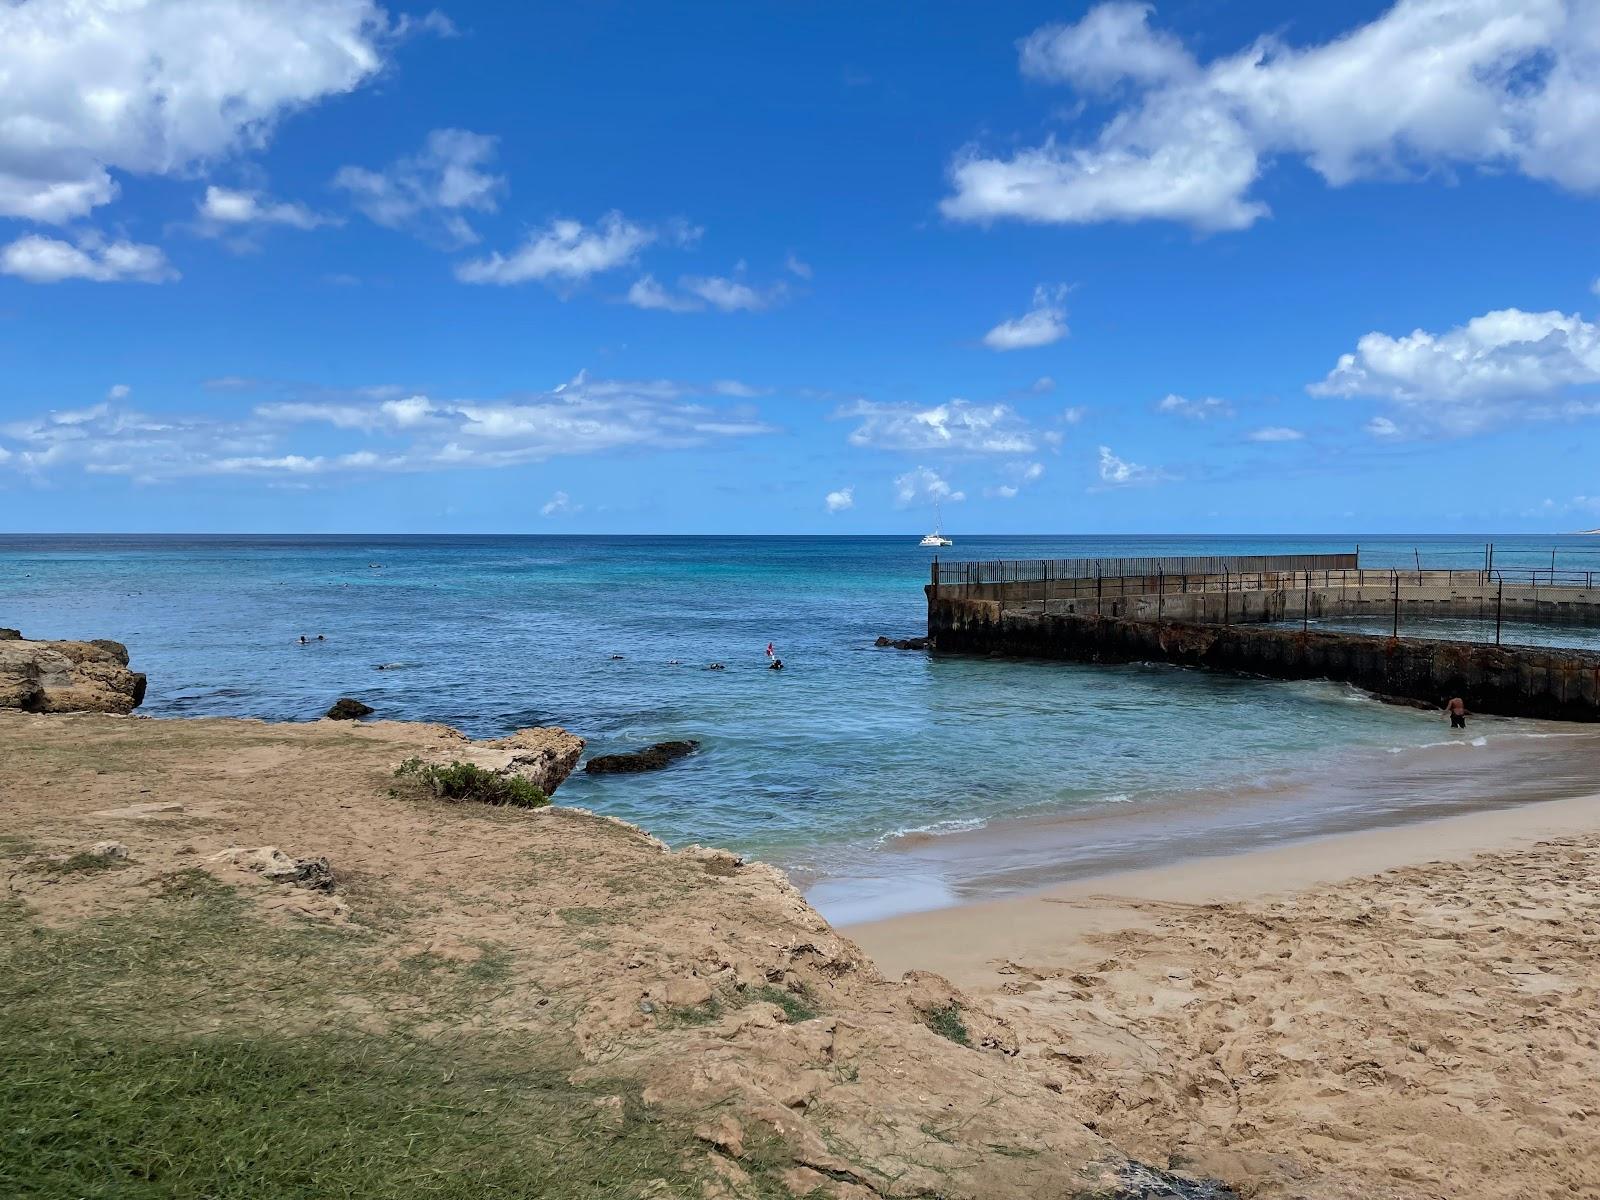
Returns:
point(1427, 1031)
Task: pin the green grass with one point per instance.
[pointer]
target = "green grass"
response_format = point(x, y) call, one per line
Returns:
point(82, 863)
point(947, 1023)
point(189, 1051)
point(462, 781)
point(796, 1006)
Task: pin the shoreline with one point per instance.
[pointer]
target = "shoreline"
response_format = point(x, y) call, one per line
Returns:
point(1504, 767)
point(965, 942)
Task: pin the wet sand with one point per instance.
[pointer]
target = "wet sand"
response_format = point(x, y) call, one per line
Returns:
point(1495, 766)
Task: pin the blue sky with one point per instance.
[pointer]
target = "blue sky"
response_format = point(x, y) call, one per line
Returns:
point(1198, 267)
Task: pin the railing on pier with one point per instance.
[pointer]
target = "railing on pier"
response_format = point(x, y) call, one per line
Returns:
point(1024, 570)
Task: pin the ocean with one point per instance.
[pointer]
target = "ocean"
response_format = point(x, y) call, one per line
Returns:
point(843, 768)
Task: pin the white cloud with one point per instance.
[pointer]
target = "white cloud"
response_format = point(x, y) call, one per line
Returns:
point(840, 500)
point(1595, 286)
point(97, 86)
point(223, 207)
point(956, 425)
point(40, 259)
point(1502, 365)
point(118, 391)
point(923, 486)
point(431, 192)
point(1119, 472)
point(565, 251)
point(731, 295)
point(1426, 85)
point(698, 292)
point(1195, 410)
point(647, 293)
point(1274, 433)
point(1044, 323)
point(392, 432)
point(1015, 475)
point(1042, 385)
point(559, 505)
point(795, 267)
point(1382, 427)
point(1074, 414)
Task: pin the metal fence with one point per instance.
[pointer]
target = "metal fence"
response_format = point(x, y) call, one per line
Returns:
point(1474, 604)
point(1024, 570)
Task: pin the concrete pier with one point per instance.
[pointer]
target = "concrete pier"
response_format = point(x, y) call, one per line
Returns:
point(1225, 624)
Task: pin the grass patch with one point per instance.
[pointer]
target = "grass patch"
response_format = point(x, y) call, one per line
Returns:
point(191, 883)
point(796, 1006)
point(81, 863)
point(583, 915)
point(701, 1014)
point(458, 781)
point(947, 1023)
point(190, 1051)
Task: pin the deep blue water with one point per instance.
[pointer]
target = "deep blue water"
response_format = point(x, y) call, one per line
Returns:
point(849, 744)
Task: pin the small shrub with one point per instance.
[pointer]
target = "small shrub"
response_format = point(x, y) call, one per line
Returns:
point(947, 1023)
point(191, 883)
point(463, 781)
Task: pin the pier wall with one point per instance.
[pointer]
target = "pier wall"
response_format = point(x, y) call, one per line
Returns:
point(1522, 681)
point(1276, 599)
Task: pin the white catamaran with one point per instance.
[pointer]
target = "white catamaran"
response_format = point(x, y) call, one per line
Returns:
point(936, 538)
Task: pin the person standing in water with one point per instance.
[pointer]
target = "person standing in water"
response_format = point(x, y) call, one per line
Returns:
point(1457, 708)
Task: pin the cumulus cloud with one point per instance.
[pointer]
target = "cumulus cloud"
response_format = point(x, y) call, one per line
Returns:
point(1426, 85)
point(221, 209)
point(1274, 433)
point(647, 293)
point(1382, 427)
point(698, 292)
point(1044, 323)
point(956, 425)
point(559, 505)
point(801, 270)
point(1119, 472)
point(430, 193)
point(564, 251)
point(393, 432)
point(1014, 477)
point(923, 486)
point(1496, 367)
point(1202, 409)
point(840, 500)
point(39, 259)
point(98, 86)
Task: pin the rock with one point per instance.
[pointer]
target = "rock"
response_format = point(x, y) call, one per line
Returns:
point(346, 709)
point(651, 758)
point(136, 811)
point(109, 850)
point(55, 677)
point(544, 755)
point(10, 635)
point(914, 643)
point(273, 864)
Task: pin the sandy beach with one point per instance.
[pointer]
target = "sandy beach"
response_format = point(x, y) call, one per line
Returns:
point(1398, 1012)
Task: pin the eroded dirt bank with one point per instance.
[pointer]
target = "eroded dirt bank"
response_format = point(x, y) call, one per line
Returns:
point(682, 996)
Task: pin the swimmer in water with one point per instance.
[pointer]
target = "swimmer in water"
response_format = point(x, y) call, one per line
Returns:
point(303, 639)
point(777, 665)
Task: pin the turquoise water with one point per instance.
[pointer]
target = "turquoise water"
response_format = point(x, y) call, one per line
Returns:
point(814, 765)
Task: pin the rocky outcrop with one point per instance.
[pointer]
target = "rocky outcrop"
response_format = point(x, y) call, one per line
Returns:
point(544, 755)
point(651, 758)
point(346, 709)
point(56, 677)
point(911, 643)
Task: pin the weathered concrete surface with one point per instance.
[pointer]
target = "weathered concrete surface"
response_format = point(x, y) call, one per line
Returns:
point(55, 677)
point(1521, 681)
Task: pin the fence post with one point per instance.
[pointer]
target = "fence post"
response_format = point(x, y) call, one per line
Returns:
point(1499, 609)
point(1396, 631)
point(1161, 593)
point(935, 578)
point(1099, 586)
point(1305, 619)
point(1225, 595)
